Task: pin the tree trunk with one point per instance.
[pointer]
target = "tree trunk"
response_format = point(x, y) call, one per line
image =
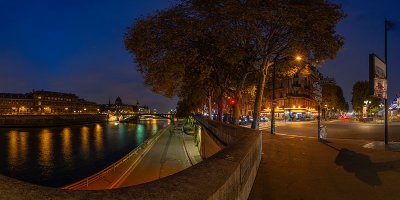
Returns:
point(259, 95)
point(236, 109)
point(220, 107)
point(257, 103)
point(209, 107)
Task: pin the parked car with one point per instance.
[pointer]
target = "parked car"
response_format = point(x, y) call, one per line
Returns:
point(243, 121)
point(263, 119)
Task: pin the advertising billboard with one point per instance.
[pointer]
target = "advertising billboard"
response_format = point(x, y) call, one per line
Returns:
point(377, 77)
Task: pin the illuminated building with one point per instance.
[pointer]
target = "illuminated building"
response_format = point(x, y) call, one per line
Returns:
point(120, 107)
point(293, 96)
point(45, 102)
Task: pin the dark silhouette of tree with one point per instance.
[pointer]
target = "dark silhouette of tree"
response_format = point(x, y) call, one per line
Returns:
point(220, 48)
point(361, 93)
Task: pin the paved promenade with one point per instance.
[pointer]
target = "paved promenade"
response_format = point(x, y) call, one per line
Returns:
point(170, 152)
point(166, 157)
point(173, 152)
point(295, 167)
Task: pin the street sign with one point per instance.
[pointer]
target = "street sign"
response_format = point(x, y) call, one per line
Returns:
point(317, 92)
point(318, 99)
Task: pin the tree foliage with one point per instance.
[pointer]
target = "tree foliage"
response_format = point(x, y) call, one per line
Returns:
point(218, 48)
point(332, 96)
point(360, 94)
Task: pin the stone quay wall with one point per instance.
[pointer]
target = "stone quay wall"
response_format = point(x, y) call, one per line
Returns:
point(49, 120)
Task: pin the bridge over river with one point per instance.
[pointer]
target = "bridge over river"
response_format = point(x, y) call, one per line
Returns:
point(122, 117)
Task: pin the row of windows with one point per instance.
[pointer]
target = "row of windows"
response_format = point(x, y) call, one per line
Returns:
point(44, 103)
point(55, 98)
point(15, 102)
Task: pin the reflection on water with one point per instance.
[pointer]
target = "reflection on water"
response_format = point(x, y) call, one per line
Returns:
point(140, 132)
point(46, 151)
point(98, 139)
point(85, 141)
point(18, 146)
point(58, 156)
point(13, 155)
point(66, 147)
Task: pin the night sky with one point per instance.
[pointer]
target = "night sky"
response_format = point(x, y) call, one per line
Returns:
point(77, 47)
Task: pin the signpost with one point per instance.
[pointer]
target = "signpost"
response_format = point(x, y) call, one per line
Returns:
point(318, 99)
point(273, 103)
point(378, 84)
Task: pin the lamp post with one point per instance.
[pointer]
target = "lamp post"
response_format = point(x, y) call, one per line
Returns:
point(273, 102)
point(318, 99)
point(297, 58)
point(367, 102)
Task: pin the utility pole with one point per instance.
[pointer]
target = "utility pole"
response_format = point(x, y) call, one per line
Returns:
point(318, 99)
point(386, 101)
point(319, 122)
point(273, 102)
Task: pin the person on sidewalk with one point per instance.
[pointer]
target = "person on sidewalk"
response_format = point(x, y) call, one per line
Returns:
point(323, 133)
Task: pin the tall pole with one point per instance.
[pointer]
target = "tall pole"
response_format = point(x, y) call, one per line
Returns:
point(273, 102)
point(319, 122)
point(386, 101)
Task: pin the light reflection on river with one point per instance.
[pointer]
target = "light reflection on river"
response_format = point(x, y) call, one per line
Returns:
point(57, 156)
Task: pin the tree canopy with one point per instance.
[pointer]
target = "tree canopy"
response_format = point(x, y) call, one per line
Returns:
point(360, 94)
point(216, 48)
point(332, 96)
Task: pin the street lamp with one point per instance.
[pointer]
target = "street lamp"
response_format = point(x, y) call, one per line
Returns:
point(298, 58)
point(273, 102)
point(367, 102)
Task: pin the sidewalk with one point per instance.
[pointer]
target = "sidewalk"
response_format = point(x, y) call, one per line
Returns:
point(191, 149)
point(302, 168)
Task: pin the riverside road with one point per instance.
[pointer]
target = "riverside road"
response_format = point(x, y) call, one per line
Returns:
point(338, 129)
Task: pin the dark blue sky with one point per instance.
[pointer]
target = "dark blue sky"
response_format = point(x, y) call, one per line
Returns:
point(363, 30)
point(77, 46)
point(74, 46)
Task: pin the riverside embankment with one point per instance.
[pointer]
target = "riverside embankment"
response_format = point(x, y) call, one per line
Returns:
point(50, 120)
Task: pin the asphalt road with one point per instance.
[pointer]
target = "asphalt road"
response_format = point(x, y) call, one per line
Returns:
point(340, 129)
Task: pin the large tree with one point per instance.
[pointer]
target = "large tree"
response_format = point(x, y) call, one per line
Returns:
point(333, 99)
point(361, 93)
point(332, 96)
point(227, 41)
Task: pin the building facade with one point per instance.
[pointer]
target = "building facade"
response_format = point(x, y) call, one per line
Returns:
point(294, 96)
point(119, 107)
point(45, 102)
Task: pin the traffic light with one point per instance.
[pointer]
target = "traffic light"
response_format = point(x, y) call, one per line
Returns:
point(232, 102)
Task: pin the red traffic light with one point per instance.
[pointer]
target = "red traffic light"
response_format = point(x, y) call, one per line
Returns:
point(232, 102)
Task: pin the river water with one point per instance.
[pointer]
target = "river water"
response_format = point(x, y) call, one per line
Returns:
point(57, 156)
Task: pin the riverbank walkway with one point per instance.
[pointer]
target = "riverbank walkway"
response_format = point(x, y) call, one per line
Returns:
point(172, 151)
point(295, 167)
